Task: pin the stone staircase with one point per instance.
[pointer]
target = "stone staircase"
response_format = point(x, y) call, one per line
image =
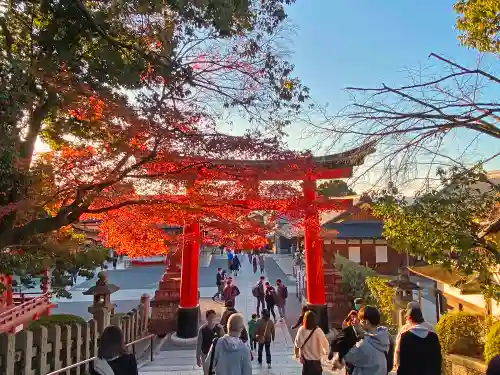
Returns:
point(183, 362)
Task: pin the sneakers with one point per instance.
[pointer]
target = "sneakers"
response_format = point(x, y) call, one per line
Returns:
point(268, 365)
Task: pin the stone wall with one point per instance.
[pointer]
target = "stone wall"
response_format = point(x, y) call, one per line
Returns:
point(45, 349)
point(459, 365)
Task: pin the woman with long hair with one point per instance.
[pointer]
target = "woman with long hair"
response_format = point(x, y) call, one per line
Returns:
point(312, 344)
point(113, 357)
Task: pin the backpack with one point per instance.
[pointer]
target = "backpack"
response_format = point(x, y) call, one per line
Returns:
point(258, 290)
point(284, 292)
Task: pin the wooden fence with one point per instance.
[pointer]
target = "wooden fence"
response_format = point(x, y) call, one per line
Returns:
point(45, 349)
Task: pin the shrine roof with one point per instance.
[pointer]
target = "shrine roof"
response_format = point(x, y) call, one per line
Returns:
point(470, 284)
point(356, 229)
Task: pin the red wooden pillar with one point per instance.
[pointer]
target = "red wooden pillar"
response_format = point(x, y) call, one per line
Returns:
point(9, 294)
point(189, 268)
point(189, 309)
point(315, 277)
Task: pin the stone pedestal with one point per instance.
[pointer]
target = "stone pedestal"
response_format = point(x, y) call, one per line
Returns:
point(165, 303)
point(338, 305)
point(102, 315)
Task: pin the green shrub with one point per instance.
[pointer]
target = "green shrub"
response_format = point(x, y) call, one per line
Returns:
point(492, 343)
point(57, 319)
point(382, 297)
point(353, 277)
point(461, 333)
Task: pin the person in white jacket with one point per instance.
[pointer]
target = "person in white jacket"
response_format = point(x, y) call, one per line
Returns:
point(312, 345)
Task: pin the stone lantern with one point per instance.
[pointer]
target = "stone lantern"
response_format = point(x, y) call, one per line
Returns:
point(404, 293)
point(102, 308)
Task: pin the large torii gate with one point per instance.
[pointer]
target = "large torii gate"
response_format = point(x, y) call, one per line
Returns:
point(307, 170)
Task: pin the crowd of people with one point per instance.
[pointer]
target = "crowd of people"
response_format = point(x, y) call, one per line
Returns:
point(362, 347)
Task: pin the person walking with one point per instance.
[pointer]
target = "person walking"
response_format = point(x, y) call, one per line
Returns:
point(264, 334)
point(230, 310)
point(229, 355)
point(282, 295)
point(255, 263)
point(270, 299)
point(236, 265)
point(258, 292)
point(310, 345)
point(113, 357)
point(371, 354)
point(231, 291)
point(261, 263)
point(409, 324)
point(252, 323)
point(219, 282)
point(230, 256)
point(418, 339)
point(206, 335)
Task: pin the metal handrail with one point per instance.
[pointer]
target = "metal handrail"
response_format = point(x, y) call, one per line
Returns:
point(151, 337)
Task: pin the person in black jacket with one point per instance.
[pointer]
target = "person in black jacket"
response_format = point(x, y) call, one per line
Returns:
point(419, 349)
point(341, 344)
point(219, 282)
point(113, 357)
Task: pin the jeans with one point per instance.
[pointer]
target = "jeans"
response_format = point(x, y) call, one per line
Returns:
point(261, 269)
point(271, 310)
point(267, 345)
point(260, 305)
point(281, 311)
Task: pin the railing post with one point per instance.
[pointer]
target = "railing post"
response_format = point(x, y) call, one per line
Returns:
point(55, 340)
point(152, 347)
point(24, 343)
point(8, 352)
point(40, 339)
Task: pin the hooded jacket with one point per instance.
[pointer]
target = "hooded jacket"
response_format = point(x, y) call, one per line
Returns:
point(404, 329)
point(368, 356)
point(231, 357)
point(419, 339)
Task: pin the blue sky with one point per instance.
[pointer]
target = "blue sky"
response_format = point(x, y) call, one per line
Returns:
point(341, 43)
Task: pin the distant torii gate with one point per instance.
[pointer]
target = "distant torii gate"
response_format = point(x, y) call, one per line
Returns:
point(307, 170)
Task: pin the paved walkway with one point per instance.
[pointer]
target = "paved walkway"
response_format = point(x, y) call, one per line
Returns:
point(182, 360)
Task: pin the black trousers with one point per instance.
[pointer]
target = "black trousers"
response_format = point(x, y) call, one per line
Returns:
point(263, 345)
point(312, 368)
point(260, 305)
point(271, 310)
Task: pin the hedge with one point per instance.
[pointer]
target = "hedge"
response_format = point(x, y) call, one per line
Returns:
point(461, 333)
point(382, 296)
point(492, 344)
point(57, 319)
point(353, 277)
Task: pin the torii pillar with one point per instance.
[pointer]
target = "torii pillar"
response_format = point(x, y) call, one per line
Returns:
point(315, 277)
point(189, 308)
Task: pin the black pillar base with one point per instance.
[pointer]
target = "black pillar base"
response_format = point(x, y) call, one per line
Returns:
point(188, 322)
point(321, 315)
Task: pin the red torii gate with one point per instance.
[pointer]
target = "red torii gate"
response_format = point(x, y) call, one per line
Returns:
point(307, 170)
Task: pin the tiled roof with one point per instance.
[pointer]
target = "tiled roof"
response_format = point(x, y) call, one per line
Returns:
point(356, 229)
